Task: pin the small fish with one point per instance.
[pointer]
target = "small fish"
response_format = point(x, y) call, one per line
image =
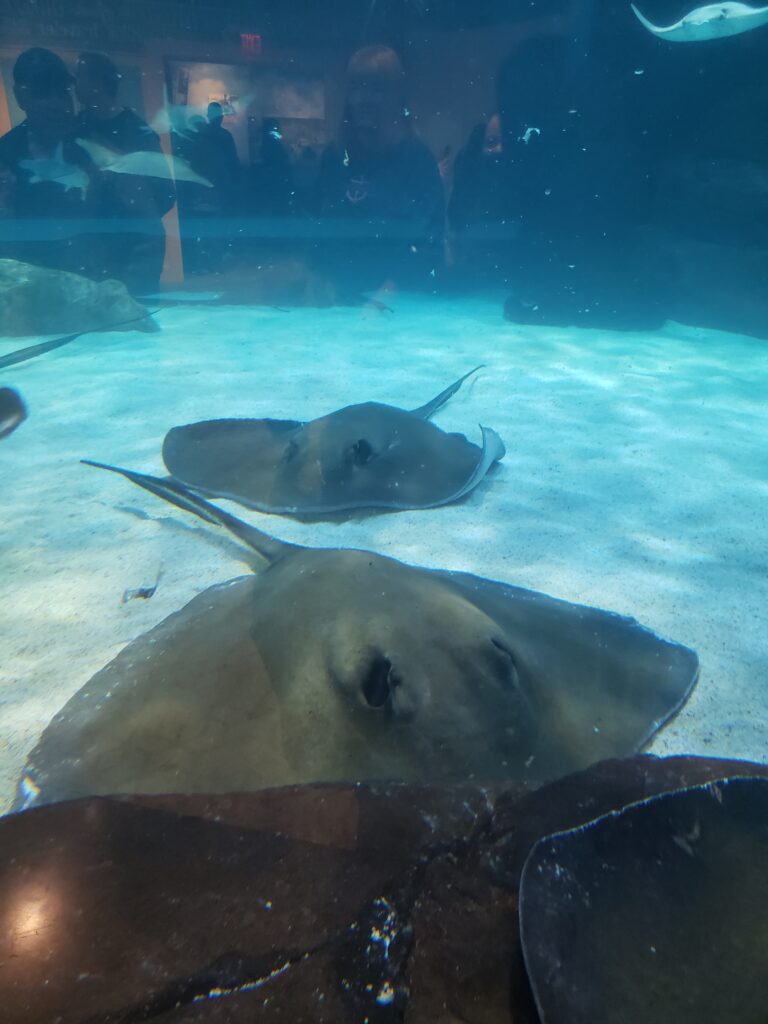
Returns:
point(528, 135)
point(143, 592)
point(55, 168)
point(345, 161)
point(276, 133)
point(142, 163)
point(13, 412)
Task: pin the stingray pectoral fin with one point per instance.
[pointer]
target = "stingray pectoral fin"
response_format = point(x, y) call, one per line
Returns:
point(428, 410)
point(177, 494)
point(493, 449)
point(102, 156)
point(188, 706)
point(602, 684)
point(657, 30)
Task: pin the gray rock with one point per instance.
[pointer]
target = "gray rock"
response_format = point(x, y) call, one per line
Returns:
point(37, 300)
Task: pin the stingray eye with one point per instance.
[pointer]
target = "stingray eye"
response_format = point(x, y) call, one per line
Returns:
point(378, 683)
point(290, 450)
point(361, 452)
point(515, 678)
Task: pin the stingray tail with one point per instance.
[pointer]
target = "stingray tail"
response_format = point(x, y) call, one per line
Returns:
point(170, 490)
point(428, 410)
point(656, 29)
point(21, 355)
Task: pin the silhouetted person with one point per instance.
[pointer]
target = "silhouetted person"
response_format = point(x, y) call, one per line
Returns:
point(379, 185)
point(134, 253)
point(211, 152)
point(271, 186)
point(214, 156)
point(480, 213)
point(46, 177)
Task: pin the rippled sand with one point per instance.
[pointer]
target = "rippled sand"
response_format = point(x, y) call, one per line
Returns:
point(635, 479)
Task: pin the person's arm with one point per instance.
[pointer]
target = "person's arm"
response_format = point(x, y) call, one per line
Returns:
point(9, 157)
point(233, 160)
point(326, 186)
point(429, 197)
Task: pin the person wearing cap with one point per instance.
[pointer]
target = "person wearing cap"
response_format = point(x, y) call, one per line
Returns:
point(379, 182)
point(212, 153)
point(135, 203)
point(46, 176)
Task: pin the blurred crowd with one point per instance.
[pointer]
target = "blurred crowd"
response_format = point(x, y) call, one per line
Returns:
point(528, 200)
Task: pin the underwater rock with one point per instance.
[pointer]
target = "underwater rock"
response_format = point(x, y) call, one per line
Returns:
point(329, 904)
point(280, 281)
point(660, 910)
point(341, 664)
point(709, 284)
point(38, 300)
point(711, 198)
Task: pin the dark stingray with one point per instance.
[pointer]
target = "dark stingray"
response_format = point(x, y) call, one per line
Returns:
point(13, 412)
point(659, 913)
point(342, 664)
point(305, 904)
point(363, 456)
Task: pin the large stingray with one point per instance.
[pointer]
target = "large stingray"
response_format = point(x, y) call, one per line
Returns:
point(363, 456)
point(714, 21)
point(346, 665)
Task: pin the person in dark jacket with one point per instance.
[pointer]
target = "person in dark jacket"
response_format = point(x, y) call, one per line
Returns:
point(480, 212)
point(47, 179)
point(379, 187)
point(134, 204)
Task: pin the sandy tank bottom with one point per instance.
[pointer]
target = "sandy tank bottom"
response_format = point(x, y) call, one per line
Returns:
point(635, 480)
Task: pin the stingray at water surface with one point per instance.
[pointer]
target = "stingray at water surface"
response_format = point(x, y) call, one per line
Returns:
point(713, 21)
point(339, 664)
point(369, 455)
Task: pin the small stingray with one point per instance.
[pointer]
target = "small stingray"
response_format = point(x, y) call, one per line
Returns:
point(363, 456)
point(658, 913)
point(337, 664)
point(56, 168)
point(146, 164)
point(13, 412)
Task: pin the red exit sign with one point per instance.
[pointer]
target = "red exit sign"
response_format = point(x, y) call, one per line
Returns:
point(250, 44)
